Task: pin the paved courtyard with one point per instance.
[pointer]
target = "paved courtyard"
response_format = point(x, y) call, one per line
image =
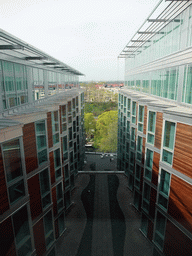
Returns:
point(102, 220)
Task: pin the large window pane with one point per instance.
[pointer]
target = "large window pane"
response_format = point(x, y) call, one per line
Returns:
point(151, 121)
point(164, 182)
point(169, 134)
point(12, 159)
point(16, 191)
point(48, 224)
point(149, 158)
point(44, 181)
point(22, 233)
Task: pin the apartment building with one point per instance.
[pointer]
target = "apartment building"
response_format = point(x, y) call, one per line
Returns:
point(41, 146)
point(155, 126)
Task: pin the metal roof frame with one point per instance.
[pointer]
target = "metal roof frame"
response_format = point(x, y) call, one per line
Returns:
point(12, 46)
point(164, 14)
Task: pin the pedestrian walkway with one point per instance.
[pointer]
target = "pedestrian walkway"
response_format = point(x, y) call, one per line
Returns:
point(98, 218)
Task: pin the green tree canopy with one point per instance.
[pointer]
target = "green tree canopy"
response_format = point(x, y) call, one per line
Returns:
point(90, 124)
point(106, 135)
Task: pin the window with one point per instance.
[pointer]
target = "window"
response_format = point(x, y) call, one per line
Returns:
point(144, 224)
point(136, 199)
point(151, 127)
point(146, 197)
point(128, 107)
point(137, 176)
point(41, 141)
point(13, 170)
point(63, 118)
point(57, 163)
point(45, 188)
point(59, 197)
point(134, 112)
point(65, 148)
point(48, 226)
point(160, 230)
point(12, 159)
point(139, 147)
point(61, 223)
point(133, 137)
point(187, 85)
point(168, 142)
point(164, 189)
point(55, 126)
point(141, 118)
point(22, 232)
point(149, 164)
point(132, 161)
point(69, 107)
point(9, 76)
point(16, 191)
point(66, 171)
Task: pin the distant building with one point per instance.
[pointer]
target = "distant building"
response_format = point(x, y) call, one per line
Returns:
point(155, 126)
point(41, 146)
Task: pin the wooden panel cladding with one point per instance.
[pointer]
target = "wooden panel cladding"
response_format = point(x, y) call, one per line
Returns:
point(54, 200)
point(7, 244)
point(180, 202)
point(35, 196)
point(155, 170)
point(182, 159)
point(158, 129)
point(143, 151)
point(29, 142)
point(49, 129)
point(4, 203)
point(176, 242)
point(153, 197)
point(52, 168)
point(39, 237)
point(145, 120)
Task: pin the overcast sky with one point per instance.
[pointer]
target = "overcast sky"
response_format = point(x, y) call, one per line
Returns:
point(88, 35)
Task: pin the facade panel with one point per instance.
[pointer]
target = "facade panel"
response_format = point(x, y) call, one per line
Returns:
point(35, 196)
point(29, 143)
point(180, 207)
point(39, 237)
point(182, 159)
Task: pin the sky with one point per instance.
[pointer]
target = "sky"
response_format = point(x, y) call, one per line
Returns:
point(87, 35)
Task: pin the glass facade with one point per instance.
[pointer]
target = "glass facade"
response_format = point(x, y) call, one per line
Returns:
point(164, 82)
point(15, 80)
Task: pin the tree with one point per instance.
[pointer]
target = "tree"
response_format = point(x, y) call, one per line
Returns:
point(90, 125)
point(106, 135)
